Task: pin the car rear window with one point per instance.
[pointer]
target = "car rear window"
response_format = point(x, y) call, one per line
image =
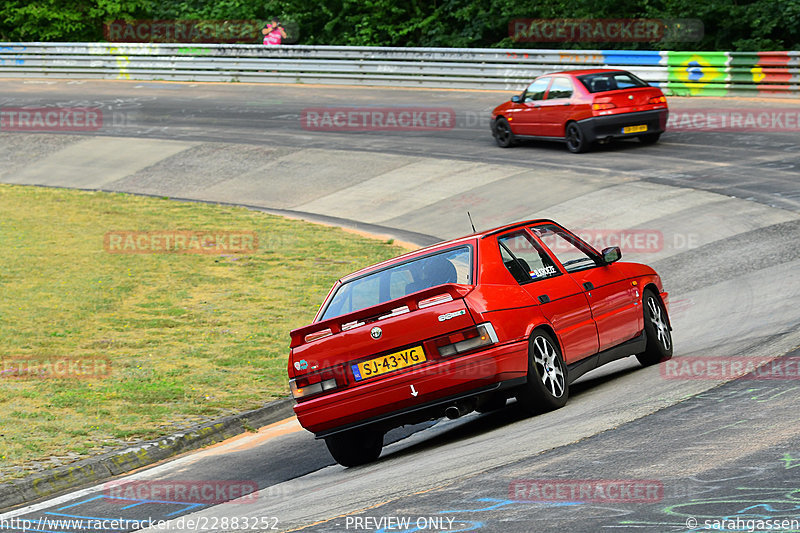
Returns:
point(450, 266)
point(610, 81)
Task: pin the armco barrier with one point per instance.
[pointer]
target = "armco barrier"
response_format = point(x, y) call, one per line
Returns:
point(678, 73)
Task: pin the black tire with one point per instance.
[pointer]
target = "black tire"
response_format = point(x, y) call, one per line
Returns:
point(656, 328)
point(649, 138)
point(355, 447)
point(548, 385)
point(576, 140)
point(502, 133)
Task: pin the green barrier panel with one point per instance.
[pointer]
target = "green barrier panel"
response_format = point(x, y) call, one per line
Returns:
point(762, 68)
point(691, 89)
point(698, 73)
point(760, 59)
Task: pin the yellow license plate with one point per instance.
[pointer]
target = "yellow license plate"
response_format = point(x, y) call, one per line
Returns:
point(634, 129)
point(388, 363)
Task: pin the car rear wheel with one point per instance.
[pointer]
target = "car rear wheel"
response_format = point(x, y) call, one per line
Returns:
point(503, 134)
point(355, 447)
point(576, 140)
point(547, 387)
point(656, 328)
point(650, 138)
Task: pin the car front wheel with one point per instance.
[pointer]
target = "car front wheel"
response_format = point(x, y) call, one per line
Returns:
point(503, 134)
point(576, 140)
point(656, 328)
point(547, 387)
point(355, 447)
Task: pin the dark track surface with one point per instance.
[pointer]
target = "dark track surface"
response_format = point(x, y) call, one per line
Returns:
point(728, 451)
point(762, 166)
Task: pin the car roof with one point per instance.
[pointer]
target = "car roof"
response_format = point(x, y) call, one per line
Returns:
point(472, 238)
point(581, 72)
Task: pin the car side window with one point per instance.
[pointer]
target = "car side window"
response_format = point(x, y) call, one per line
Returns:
point(567, 249)
point(561, 88)
point(536, 90)
point(625, 81)
point(525, 259)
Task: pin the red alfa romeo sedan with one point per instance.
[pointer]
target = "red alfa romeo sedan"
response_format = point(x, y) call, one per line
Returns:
point(519, 311)
point(581, 107)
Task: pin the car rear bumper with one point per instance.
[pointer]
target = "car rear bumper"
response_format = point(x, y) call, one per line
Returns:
point(607, 126)
point(386, 401)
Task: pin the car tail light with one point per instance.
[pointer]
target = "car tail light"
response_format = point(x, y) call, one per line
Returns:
point(658, 100)
point(317, 382)
point(466, 340)
point(600, 107)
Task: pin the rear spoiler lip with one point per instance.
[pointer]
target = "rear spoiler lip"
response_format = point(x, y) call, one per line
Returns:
point(411, 300)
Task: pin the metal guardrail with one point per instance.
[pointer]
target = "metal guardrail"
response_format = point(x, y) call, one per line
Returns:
point(678, 73)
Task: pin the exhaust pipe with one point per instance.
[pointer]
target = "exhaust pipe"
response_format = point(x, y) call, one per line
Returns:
point(459, 409)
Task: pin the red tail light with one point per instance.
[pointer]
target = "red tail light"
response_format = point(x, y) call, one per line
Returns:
point(465, 340)
point(658, 100)
point(600, 107)
point(318, 382)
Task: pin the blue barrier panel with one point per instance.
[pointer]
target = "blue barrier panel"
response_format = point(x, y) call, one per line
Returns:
point(632, 57)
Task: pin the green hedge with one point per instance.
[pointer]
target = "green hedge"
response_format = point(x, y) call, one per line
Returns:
point(753, 25)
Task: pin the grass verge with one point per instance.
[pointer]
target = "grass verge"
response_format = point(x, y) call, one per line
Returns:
point(187, 337)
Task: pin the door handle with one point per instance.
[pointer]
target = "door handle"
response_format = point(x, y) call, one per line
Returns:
point(543, 299)
point(588, 286)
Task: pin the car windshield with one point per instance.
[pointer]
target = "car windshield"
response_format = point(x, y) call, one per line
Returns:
point(449, 266)
point(610, 81)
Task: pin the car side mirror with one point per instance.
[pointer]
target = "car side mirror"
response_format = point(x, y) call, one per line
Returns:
point(611, 255)
point(516, 99)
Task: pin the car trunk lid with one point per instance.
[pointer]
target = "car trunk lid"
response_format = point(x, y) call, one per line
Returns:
point(404, 322)
point(624, 100)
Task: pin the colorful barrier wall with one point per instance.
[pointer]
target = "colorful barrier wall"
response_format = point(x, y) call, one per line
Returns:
point(676, 72)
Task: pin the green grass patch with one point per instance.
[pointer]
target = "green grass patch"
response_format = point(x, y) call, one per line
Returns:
point(188, 336)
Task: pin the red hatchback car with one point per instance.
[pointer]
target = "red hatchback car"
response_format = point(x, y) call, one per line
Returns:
point(581, 107)
point(518, 311)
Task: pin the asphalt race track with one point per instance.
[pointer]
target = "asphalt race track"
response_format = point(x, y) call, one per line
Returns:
point(717, 214)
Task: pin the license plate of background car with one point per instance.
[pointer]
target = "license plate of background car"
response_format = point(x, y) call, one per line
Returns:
point(634, 129)
point(388, 363)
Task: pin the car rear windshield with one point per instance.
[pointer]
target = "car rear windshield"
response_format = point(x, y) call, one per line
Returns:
point(450, 266)
point(610, 81)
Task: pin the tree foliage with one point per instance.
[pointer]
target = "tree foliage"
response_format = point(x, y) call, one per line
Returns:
point(729, 24)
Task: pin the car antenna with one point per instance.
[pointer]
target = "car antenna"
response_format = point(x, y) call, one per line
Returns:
point(471, 223)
